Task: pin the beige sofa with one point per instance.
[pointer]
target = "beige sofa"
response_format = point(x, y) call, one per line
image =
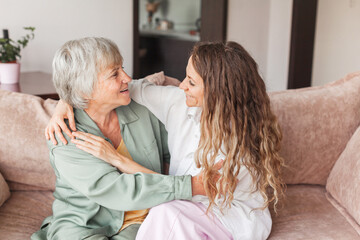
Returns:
point(321, 147)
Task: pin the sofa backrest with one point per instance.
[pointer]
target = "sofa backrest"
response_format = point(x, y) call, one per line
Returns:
point(317, 123)
point(24, 156)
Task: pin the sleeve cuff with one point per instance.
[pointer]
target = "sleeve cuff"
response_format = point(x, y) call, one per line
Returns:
point(182, 189)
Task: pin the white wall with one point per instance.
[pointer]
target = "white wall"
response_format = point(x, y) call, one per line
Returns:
point(279, 45)
point(264, 28)
point(248, 24)
point(261, 26)
point(337, 40)
point(58, 21)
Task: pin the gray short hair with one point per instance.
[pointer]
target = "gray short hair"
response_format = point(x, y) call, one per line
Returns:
point(76, 66)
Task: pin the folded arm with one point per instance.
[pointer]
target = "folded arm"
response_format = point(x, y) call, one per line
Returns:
point(102, 183)
point(158, 99)
point(102, 149)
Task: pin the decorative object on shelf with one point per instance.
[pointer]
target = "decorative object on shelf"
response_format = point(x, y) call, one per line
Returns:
point(198, 27)
point(151, 8)
point(198, 24)
point(10, 53)
point(165, 25)
point(14, 87)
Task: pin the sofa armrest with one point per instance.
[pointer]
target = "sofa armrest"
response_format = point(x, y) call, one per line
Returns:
point(4, 190)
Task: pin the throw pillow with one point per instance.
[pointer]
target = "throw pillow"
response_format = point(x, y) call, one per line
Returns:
point(156, 78)
point(344, 180)
point(317, 123)
point(24, 156)
point(160, 79)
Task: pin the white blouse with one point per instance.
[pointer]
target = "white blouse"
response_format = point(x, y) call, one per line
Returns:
point(168, 104)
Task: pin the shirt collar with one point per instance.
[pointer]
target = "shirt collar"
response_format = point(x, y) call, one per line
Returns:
point(194, 113)
point(125, 115)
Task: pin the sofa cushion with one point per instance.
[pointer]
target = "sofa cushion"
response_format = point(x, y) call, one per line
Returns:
point(23, 213)
point(317, 123)
point(344, 181)
point(160, 79)
point(171, 81)
point(156, 78)
point(24, 156)
point(307, 214)
point(344, 212)
point(4, 190)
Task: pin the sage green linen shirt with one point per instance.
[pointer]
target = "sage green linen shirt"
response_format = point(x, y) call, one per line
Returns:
point(91, 195)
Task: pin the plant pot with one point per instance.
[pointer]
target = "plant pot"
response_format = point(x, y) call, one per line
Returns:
point(14, 87)
point(9, 73)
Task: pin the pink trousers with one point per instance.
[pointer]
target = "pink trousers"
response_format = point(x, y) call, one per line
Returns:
point(181, 220)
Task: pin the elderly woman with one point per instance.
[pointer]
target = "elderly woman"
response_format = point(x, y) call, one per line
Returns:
point(93, 199)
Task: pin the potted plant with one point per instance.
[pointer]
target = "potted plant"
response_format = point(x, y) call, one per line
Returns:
point(9, 55)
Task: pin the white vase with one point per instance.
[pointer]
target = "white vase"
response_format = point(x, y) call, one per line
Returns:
point(14, 87)
point(9, 73)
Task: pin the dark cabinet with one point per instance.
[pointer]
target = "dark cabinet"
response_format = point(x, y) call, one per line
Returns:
point(164, 54)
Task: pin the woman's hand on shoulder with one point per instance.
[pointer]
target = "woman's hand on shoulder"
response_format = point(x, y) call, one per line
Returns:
point(57, 123)
point(197, 182)
point(96, 146)
point(103, 150)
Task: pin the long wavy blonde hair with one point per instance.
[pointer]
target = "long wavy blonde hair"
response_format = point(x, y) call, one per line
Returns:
point(236, 119)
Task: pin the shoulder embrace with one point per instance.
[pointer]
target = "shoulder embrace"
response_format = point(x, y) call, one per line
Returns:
point(140, 110)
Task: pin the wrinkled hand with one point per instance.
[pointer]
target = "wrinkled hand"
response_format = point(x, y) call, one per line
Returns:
point(57, 123)
point(96, 146)
point(102, 149)
point(197, 183)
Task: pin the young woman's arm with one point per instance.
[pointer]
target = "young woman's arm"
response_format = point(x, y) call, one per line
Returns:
point(57, 123)
point(158, 99)
point(92, 144)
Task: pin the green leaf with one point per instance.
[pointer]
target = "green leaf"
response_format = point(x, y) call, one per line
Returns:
point(10, 50)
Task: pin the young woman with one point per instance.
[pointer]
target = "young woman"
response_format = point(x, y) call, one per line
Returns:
point(220, 112)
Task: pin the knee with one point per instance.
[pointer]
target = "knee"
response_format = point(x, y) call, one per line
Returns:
point(169, 208)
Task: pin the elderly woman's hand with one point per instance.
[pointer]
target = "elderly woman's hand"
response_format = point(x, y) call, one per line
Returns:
point(102, 149)
point(96, 146)
point(57, 123)
point(197, 182)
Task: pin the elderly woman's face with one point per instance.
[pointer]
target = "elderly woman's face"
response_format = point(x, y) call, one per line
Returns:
point(112, 87)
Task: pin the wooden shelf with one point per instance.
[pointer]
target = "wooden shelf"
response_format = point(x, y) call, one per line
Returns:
point(180, 35)
point(34, 83)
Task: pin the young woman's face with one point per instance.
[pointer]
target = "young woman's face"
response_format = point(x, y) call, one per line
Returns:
point(112, 87)
point(193, 86)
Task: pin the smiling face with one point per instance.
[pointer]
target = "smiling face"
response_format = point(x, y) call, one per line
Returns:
point(193, 86)
point(112, 87)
